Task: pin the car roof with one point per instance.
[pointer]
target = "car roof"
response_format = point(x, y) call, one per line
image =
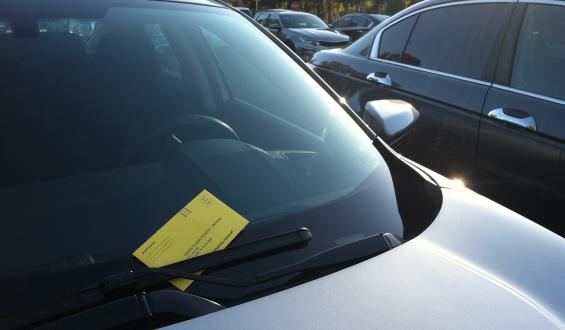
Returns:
point(368, 15)
point(203, 2)
point(292, 12)
point(378, 16)
point(275, 9)
point(428, 3)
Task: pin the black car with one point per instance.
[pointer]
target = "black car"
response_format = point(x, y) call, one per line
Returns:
point(303, 32)
point(356, 25)
point(489, 81)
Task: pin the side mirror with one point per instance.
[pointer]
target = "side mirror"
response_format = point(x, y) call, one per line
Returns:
point(331, 25)
point(390, 119)
point(275, 27)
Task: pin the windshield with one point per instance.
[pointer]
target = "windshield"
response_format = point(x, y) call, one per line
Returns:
point(302, 21)
point(115, 114)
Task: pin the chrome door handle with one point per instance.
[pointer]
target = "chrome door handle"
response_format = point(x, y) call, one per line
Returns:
point(381, 78)
point(515, 117)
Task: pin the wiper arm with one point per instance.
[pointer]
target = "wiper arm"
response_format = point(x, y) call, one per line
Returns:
point(138, 280)
point(345, 253)
point(131, 282)
point(95, 299)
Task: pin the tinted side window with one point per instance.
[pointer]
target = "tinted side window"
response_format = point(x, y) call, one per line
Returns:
point(455, 39)
point(345, 21)
point(394, 39)
point(359, 21)
point(539, 63)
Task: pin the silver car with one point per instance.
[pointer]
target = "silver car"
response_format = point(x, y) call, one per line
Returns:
point(107, 134)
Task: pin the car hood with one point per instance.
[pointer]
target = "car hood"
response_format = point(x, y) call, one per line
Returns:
point(320, 34)
point(478, 265)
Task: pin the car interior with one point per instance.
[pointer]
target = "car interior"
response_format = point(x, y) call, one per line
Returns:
point(136, 118)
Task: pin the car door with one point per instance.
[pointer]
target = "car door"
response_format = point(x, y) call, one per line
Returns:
point(438, 58)
point(520, 159)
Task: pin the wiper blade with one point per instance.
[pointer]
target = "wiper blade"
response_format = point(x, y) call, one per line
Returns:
point(124, 284)
point(345, 253)
point(138, 280)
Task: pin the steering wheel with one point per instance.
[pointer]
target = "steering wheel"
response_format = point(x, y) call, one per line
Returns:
point(176, 131)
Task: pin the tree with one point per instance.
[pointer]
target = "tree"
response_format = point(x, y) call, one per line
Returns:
point(394, 6)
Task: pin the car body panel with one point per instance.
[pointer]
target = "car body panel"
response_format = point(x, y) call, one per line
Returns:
point(467, 270)
point(509, 159)
point(511, 174)
point(453, 124)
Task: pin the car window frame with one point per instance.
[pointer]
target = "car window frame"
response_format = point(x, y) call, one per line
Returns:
point(374, 53)
point(507, 58)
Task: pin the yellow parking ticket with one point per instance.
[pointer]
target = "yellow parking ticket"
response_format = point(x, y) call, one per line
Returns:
point(204, 225)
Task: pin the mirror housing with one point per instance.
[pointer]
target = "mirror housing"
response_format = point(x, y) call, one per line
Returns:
point(390, 119)
point(275, 27)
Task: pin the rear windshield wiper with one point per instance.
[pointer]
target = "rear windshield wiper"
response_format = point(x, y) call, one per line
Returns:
point(124, 284)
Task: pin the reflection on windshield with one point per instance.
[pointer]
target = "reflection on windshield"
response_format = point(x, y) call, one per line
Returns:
point(82, 27)
point(302, 21)
point(5, 27)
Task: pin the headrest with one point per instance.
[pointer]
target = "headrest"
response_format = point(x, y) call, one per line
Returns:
point(127, 57)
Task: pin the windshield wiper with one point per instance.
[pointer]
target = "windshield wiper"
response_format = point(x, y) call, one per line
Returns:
point(135, 282)
point(146, 305)
point(345, 253)
point(124, 284)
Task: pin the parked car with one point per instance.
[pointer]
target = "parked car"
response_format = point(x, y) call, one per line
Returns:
point(304, 33)
point(105, 138)
point(491, 96)
point(356, 25)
